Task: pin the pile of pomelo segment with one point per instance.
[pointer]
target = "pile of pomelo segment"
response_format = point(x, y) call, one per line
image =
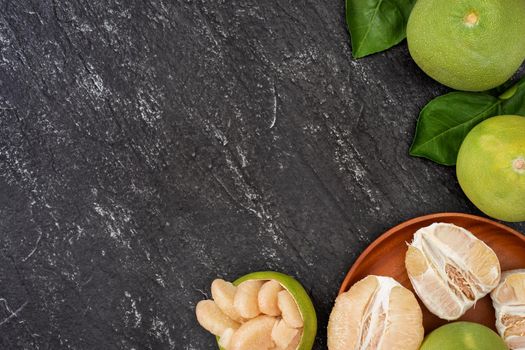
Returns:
point(260, 311)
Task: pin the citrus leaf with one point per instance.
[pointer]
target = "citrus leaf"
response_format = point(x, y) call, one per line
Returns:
point(376, 25)
point(446, 120)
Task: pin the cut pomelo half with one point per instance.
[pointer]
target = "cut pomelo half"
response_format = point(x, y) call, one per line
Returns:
point(509, 301)
point(376, 313)
point(450, 269)
point(301, 298)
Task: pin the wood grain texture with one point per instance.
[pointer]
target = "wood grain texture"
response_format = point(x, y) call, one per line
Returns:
point(386, 257)
point(150, 146)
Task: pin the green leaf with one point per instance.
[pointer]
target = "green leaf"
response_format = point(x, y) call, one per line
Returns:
point(445, 121)
point(376, 25)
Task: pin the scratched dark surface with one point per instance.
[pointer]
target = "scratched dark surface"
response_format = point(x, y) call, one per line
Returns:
point(147, 147)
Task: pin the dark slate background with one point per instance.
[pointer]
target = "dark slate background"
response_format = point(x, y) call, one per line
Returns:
point(147, 147)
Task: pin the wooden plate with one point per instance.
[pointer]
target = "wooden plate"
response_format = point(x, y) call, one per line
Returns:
point(386, 257)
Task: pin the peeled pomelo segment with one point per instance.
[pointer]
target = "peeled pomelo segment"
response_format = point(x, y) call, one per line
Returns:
point(485, 267)
point(211, 318)
point(376, 313)
point(289, 309)
point(283, 335)
point(223, 293)
point(226, 338)
point(509, 302)
point(450, 269)
point(246, 299)
point(511, 290)
point(347, 313)
point(255, 334)
point(267, 298)
point(294, 343)
point(415, 262)
point(406, 314)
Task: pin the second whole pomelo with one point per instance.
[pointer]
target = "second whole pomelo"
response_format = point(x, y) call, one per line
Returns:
point(491, 167)
point(463, 336)
point(471, 45)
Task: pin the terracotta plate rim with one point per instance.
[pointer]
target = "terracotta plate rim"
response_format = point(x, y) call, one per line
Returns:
point(345, 285)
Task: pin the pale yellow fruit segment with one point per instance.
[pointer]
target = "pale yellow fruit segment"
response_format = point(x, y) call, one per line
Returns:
point(246, 298)
point(267, 298)
point(450, 269)
point(255, 334)
point(211, 318)
point(226, 338)
point(405, 320)
point(376, 313)
point(283, 334)
point(509, 302)
point(289, 310)
point(223, 293)
point(294, 343)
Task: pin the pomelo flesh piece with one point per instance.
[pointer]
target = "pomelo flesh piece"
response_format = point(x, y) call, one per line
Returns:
point(223, 293)
point(509, 302)
point(246, 299)
point(450, 269)
point(289, 309)
point(267, 298)
point(376, 313)
point(211, 318)
point(255, 334)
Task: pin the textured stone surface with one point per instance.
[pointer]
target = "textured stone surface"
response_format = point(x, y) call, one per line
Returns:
point(149, 146)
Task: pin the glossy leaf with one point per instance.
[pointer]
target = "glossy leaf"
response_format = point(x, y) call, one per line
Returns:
point(445, 121)
point(376, 25)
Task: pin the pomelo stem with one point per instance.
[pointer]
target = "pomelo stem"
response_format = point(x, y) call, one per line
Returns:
point(519, 165)
point(471, 19)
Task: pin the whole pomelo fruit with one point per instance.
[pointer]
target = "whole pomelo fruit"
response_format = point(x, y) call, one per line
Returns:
point(463, 336)
point(491, 167)
point(471, 45)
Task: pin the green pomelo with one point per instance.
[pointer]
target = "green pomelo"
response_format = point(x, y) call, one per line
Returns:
point(306, 307)
point(463, 336)
point(491, 167)
point(471, 45)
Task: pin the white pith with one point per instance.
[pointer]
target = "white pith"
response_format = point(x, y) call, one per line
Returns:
point(381, 300)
